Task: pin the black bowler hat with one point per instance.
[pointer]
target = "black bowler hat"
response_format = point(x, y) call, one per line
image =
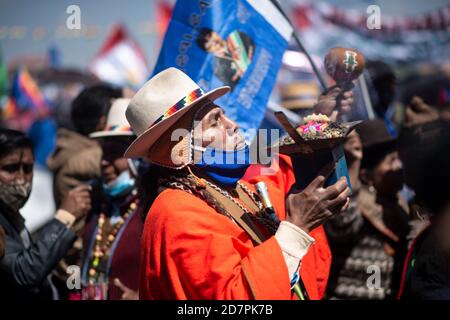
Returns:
point(376, 141)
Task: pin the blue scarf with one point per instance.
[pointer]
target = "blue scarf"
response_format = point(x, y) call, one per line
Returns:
point(225, 167)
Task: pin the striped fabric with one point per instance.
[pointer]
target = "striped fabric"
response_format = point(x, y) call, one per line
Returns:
point(191, 97)
point(238, 51)
point(25, 95)
point(118, 128)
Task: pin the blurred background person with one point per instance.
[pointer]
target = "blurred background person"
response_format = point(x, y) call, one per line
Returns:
point(383, 81)
point(76, 158)
point(426, 273)
point(27, 262)
point(2, 242)
point(418, 136)
point(111, 240)
point(373, 230)
point(424, 143)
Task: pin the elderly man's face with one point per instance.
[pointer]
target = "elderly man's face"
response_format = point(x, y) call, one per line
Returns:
point(215, 130)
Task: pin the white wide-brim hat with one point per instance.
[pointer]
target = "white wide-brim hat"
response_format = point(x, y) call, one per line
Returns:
point(116, 121)
point(158, 105)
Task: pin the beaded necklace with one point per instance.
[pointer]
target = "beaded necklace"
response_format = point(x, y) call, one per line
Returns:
point(101, 251)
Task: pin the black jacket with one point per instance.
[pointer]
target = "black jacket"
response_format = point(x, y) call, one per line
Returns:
point(2, 242)
point(24, 270)
point(428, 270)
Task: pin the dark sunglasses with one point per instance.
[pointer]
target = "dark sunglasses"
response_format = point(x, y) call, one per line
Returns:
point(14, 167)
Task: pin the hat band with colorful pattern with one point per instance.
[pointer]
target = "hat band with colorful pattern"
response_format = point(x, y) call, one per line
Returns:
point(118, 128)
point(191, 97)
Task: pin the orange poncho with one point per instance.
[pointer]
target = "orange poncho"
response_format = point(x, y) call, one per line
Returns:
point(315, 266)
point(189, 251)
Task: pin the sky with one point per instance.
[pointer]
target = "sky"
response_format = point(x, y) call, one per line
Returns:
point(137, 15)
point(75, 52)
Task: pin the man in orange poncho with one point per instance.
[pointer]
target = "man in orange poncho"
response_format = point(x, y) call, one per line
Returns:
point(206, 235)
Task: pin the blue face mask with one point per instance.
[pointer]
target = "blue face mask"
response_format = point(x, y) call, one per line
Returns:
point(225, 167)
point(123, 184)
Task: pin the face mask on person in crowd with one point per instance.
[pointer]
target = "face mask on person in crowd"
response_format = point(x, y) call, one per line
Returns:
point(392, 181)
point(123, 184)
point(15, 194)
point(225, 167)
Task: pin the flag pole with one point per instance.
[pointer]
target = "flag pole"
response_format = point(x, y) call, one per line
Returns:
point(300, 44)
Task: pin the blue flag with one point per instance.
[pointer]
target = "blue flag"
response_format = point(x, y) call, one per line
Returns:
point(238, 43)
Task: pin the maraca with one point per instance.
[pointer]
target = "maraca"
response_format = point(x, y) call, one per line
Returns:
point(344, 65)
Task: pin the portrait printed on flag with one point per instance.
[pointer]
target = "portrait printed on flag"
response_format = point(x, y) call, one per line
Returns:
point(231, 56)
point(237, 43)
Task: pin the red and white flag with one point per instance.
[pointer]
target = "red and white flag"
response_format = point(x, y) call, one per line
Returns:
point(120, 61)
point(164, 10)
